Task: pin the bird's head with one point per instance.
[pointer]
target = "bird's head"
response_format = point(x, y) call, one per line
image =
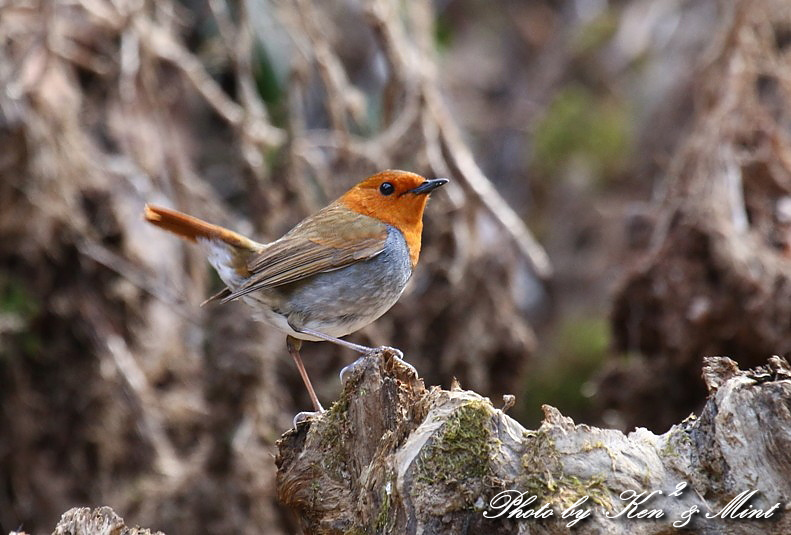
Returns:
point(397, 198)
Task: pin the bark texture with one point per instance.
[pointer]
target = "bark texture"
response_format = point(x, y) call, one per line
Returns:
point(392, 456)
point(99, 521)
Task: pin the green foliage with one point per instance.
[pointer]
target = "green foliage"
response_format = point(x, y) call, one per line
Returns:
point(580, 125)
point(266, 81)
point(576, 351)
point(443, 33)
point(15, 300)
point(17, 303)
point(272, 92)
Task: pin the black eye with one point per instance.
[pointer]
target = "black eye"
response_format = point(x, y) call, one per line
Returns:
point(386, 188)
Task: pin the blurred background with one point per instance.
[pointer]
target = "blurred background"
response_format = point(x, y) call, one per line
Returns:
point(578, 258)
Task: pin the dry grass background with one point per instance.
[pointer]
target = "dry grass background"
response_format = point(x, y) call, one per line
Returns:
point(116, 388)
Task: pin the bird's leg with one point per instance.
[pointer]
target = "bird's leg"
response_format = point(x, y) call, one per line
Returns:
point(397, 354)
point(293, 348)
point(327, 338)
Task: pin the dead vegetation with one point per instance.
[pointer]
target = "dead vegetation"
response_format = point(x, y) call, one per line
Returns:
point(116, 387)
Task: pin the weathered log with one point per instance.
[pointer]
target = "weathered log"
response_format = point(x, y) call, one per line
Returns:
point(99, 521)
point(392, 456)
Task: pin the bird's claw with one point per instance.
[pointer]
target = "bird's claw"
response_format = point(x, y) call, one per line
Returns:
point(411, 370)
point(394, 352)
point(304, 416)
point(398, 356)
point(389, 354)
point(348, 371)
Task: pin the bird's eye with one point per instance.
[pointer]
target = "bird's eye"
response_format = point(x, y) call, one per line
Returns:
point(386, 188)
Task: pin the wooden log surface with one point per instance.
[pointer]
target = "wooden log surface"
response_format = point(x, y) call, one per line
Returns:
point(392, 456)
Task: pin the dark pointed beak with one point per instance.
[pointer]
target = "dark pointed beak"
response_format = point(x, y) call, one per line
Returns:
point(428, 186)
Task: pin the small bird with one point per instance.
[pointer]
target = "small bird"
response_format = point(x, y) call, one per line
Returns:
point(332, 274)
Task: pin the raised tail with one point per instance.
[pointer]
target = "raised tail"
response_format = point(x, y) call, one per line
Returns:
point(227, 251)
point(191, 228)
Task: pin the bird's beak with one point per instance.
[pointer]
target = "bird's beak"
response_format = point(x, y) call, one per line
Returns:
point(428, 186)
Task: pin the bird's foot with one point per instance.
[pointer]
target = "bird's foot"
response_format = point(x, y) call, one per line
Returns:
point(389, 352)
point(304, 416)
point(348, 371)
point(392, 354)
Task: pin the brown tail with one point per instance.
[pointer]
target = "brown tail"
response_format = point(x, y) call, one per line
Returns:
point(191, 228)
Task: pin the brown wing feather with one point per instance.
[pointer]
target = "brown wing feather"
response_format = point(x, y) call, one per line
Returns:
point(331, 239)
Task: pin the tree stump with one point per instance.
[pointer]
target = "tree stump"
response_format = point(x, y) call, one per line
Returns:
point(392, 456)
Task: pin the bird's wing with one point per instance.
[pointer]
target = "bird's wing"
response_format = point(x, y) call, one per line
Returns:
point(331, 239)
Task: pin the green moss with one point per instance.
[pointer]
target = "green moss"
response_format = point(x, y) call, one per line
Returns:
point(594, 446)
point(548, 481)
point(538, 444)
point(334, 428)
point(599, 445)
point(463, 448)
point(562, 491)
point(383, 517)
point(678, 437)
point(669, 450)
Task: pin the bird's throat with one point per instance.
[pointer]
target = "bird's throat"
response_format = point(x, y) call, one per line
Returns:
point(406, 217)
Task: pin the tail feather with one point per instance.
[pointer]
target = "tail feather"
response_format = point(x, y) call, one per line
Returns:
point(191, 228)
point(227, 251)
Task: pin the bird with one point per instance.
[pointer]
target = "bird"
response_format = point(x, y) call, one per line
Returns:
point(335, 272)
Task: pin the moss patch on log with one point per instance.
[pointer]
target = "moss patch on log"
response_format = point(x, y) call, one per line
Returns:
point(462, 449)
point(549, 482)
point(335, 428)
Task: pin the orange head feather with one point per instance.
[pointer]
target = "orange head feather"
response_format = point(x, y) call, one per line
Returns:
point(397, 198)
